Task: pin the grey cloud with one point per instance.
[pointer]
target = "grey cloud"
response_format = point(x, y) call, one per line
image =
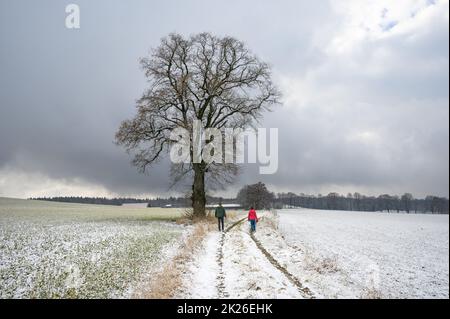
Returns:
point(64, 92)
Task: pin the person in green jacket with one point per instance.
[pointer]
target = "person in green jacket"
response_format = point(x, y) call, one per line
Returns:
point(220, 215)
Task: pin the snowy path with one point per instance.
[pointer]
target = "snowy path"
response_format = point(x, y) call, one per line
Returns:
point(230, 265)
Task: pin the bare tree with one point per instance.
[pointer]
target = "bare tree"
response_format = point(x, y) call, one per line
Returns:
point(350, 204)
point(407, 199)
point(256, 195)
point(436, 205)
point(357, 197)
point(385, 202)
point(217, 81)
point(332, 201)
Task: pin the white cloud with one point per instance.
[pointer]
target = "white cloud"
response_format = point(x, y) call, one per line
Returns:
point(373, 20)
point(21, 184)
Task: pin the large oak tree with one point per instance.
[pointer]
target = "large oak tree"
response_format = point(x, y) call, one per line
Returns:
point(215, 80)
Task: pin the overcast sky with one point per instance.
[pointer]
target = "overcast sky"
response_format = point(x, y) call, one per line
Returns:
point(365, 85)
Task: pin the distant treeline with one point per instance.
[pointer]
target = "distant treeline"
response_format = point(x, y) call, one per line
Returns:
point(151, 202)
point(92, 200)
point(358, 202)
point(257, 195)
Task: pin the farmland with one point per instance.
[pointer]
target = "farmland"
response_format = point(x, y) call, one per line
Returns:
point(59, 250)
point(345, 254)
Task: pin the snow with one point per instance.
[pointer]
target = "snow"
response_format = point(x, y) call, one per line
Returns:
point(233, 267)
point(359, 254)
point(248, 273)
point(201, 281)
point(230, 205)
point(333, 254)
point(135, 205)
point(52, 250)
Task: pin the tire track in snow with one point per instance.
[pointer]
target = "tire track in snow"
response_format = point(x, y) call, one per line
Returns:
point(221, 277)
point(235, 224)
point(305, 291)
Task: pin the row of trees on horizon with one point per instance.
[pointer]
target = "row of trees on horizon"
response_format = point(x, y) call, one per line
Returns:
point(151, 202)
point(358, 202)
point(258, 196)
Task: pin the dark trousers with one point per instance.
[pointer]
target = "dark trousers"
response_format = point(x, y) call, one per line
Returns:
point(220, 221)
point(252, 225)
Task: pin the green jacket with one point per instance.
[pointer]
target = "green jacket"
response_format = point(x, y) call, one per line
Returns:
point(220, 212)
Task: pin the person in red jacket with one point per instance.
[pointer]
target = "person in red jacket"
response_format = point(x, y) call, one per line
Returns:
point(252, 218)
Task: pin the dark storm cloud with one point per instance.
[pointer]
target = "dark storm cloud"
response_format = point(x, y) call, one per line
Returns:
point(361, 112)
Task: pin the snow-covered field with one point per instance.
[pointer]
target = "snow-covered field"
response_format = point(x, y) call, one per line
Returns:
point(360, 254)
point(62, 250)
point(58, 250)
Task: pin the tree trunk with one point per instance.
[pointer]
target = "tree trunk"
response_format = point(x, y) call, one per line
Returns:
point(198, 192)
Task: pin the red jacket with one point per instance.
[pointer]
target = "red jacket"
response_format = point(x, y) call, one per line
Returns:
point(252, 215)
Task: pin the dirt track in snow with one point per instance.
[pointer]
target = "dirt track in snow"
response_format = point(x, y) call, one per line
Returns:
point(234, 264)
point(304, 290)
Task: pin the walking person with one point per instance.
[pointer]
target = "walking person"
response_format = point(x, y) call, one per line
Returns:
point(253, 219)
point(220, 215)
